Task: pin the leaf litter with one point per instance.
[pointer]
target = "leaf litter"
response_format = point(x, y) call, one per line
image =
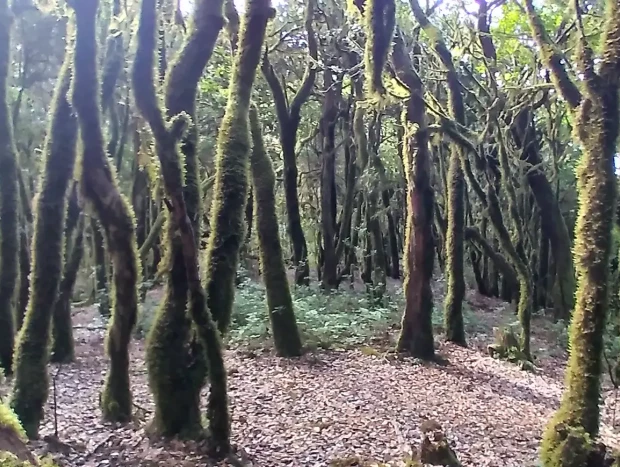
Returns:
point(327, 408)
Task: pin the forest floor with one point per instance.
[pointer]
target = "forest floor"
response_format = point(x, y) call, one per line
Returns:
point(341, 407)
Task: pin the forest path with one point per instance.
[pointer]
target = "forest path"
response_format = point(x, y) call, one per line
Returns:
point(328, 405)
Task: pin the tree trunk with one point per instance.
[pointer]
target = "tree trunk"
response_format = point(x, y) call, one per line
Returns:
point(62, 330)
point(416, 336)
point(9, 239)
point(31, 379)
point(176, 354)
point(552, 221)
point(279, 302)
point(99, 186)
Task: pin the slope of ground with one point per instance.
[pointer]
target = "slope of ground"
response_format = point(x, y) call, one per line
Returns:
point(334, 407)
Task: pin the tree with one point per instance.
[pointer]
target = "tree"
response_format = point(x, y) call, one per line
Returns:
point(31, 379)
point(9, 239)
point(568, 438)
point(279, 302)
point(167, 135)
point(100, 189)
point(176, 374)
point(232, 165)
point(416, 336)
point(289, 117)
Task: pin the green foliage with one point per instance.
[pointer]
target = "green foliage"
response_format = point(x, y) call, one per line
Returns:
point(340, 319)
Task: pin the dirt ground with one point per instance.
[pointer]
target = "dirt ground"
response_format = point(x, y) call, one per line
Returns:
point(328, 408)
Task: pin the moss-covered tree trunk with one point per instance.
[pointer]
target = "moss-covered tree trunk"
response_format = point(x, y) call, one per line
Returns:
point(289, 118)
point(453, 307)
point(175, 355)
point(569, 436)
point(279, 302)
point(416, 336)
point(167, 135)
point(98, 184)
point(9, 239)
point(31, 379)
point(232, 164)
point(62, 327)
point(329, 276)
point(24, 275)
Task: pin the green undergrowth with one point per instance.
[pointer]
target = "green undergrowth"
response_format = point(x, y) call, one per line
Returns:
point(341, 319)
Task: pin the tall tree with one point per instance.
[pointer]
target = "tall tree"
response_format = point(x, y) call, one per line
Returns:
point(232, 166)
point(289, 118)
point(100, 189)
point(456, 187)
point(416, 336)
point(167, 135)
point(279, 302)
point(567, 440)
point(32, 355)
point(175, 355)
point(9, 240)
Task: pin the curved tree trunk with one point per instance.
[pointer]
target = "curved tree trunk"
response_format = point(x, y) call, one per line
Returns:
point(289, 118)
point(99, 186)
point(552, 221)
point(9, 239)
point(279, 301)
point(232, 164)
point(175, 378)
point(31, 380)
point(63, 350)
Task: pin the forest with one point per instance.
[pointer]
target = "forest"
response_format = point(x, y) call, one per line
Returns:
point(373, 233)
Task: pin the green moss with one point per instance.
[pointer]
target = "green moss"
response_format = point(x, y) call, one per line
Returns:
point(416, 336)
point(31, 353)
point(577, 421)
point(232, 164)
point(453, 305)
point(9, 240)
point(175, 371)
point(8, 419)
point(380, 22)
point(98, 184)
point(102, 292)
point(279, 301)
point(175, 361)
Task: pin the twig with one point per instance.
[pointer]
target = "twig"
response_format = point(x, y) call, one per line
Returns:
point(55, 401)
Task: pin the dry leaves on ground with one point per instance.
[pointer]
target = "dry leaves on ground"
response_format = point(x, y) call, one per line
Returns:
point(320, 408)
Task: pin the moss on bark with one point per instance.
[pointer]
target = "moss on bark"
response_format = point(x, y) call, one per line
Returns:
point(416, 336)
point(380, 19)
point(279, 301)
point(98, 184)
point(453, 306)
point(63, 350)
point(232, 164)
point(9, 240)
point(568, 437)
point(31, 354)
point(161, 357)
point(102, 292)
